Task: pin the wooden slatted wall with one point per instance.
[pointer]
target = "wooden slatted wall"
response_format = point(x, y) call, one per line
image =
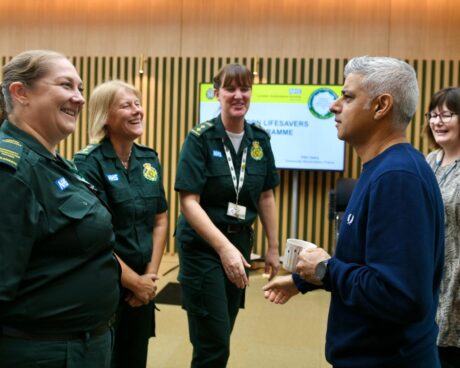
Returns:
point(170, 96)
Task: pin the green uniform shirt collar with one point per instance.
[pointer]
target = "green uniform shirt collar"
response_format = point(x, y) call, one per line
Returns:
point(220, 130)
point(11, 129)
point(107, 149)
point(109, 152)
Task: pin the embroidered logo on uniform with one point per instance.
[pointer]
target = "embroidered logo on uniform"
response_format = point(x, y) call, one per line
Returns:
point(257, 153)
point(217, 153)
point(150, 173)
point(113, 177)
point(62, 183)
point(350, 219)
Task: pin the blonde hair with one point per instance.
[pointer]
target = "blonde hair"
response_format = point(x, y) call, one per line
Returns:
point(100, 102)
point(27, 68)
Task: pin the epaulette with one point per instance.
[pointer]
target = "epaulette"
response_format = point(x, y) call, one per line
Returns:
point(261, 128)
point(88, 149)
point(201, 128)
point(10, 152)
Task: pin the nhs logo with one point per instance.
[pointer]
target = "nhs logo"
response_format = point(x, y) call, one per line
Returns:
point(113, 177)
point(62, 183)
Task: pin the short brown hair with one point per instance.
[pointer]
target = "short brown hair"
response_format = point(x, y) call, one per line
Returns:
point(233, 72)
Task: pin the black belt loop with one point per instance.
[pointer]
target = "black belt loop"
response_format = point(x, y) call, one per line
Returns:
point(233, 228)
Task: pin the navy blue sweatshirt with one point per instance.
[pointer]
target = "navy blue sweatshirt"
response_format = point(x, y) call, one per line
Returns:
point(384, 278)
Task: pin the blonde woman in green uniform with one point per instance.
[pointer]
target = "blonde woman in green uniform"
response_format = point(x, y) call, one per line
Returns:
point(225, 178)
point(129, 178)
point(58, 274)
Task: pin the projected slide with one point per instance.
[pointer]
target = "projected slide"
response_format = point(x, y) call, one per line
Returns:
point(302, 129)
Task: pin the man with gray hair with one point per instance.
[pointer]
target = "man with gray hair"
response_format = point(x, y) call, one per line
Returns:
point(384, 277)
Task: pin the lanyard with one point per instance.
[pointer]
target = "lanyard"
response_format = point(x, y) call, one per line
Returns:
point(443, 177)
point(237, 183)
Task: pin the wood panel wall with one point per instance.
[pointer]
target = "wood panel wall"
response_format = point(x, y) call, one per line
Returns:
point(181, 43)
point(170, 96)
point(411, 29)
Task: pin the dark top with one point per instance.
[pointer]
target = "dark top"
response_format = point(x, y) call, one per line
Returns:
point(384, 278)
point(203, 170)
point(57, 268)
point(135, 196)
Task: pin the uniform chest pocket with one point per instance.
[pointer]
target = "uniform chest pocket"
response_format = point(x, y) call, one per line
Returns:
point(218, 169)
point(255, 176)
point(85, 226)
point(77, 207)
point(122, 202)
point(150, 201)
point(119, 194)
point(219, 184)
point(151, 189)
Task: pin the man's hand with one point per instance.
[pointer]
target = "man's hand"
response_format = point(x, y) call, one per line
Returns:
point(308, 260)
point(280, 290)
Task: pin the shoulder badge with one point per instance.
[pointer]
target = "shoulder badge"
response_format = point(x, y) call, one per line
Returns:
point(10, 152)
point(201, 128)
point(259, 127)
point(150, 173)
point(88, 149)
point(257, 153)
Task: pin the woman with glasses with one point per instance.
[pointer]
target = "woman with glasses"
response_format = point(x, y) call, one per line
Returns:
point(443, 131)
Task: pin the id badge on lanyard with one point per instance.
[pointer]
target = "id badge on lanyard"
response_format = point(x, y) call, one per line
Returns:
point(234, 209)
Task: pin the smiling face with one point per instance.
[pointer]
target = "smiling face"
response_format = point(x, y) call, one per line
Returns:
point(125, 118)
point(54, 102)
point(234, 100)
point(445, 129)
point(352, 111)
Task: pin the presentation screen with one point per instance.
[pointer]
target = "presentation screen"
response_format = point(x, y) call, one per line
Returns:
point(302, 129)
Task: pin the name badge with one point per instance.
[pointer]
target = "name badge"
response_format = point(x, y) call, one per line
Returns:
point(234, 210)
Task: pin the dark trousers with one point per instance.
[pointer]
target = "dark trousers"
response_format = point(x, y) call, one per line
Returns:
point(212, 302)
point(133, 328)
point(449, 356)
point(81, 353)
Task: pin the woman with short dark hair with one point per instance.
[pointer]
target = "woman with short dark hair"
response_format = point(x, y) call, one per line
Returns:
point(443, 131)
point(225, 178)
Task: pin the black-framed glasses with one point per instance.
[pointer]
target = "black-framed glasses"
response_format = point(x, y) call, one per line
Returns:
point(445, 116)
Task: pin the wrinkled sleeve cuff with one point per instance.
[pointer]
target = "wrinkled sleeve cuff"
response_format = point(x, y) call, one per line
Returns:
point(302, 285)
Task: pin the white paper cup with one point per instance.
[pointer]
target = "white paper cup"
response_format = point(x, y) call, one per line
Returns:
point(292, 251)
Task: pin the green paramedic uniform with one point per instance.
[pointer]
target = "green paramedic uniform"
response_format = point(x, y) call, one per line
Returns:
point(210, 299)
point(135, 195)
point(59, 279)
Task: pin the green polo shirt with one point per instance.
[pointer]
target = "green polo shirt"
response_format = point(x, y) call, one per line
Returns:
point(203, 170)
point(57, 268)
point(135, 195)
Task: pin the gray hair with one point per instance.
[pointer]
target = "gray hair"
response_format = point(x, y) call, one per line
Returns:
point(392, 76)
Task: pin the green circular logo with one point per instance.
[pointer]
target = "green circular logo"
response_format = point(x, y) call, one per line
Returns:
point(320, 101)
point(210, 93)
